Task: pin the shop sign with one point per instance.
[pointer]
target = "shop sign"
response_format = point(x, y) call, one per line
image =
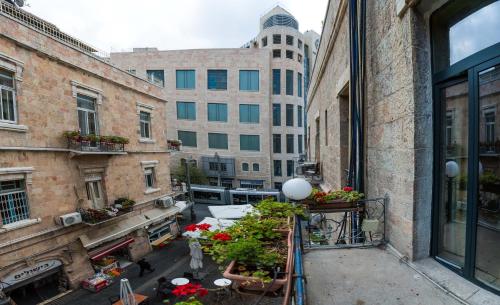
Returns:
point(29, 272)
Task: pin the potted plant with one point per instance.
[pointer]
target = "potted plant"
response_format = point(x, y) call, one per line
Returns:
point(345, 198)
point(256, 246)
point(124, 204)
point(73, 135)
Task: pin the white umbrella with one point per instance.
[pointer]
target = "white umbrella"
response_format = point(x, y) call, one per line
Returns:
point(126, 293)
point(196, 255)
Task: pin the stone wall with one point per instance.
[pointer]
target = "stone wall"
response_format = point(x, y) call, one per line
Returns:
point(398, 151)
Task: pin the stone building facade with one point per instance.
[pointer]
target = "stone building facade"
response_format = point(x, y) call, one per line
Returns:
point(280, 53)
point(52, 83)
point(404, 126)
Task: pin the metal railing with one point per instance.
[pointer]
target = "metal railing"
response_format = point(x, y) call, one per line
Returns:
point(363, 224)
point(48, 28)
point(89, 146)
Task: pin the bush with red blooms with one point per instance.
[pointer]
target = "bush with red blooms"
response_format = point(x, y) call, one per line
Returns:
point(347, 194)
point(190, 289)
point(221, 236)
point(194, 227)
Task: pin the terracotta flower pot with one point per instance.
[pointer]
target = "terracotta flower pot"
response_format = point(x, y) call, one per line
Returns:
point(256, 284)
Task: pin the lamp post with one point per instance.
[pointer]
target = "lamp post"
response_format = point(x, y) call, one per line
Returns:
point(190, 192)
point(452, 170)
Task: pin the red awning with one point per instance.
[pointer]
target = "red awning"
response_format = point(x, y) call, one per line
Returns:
point(102, 252)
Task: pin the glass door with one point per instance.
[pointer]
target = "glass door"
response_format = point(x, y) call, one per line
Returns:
point(454, 103)
point(487, 254)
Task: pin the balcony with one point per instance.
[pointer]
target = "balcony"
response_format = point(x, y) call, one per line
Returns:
point(174, 145)
point(95, 144)
point(94, 217)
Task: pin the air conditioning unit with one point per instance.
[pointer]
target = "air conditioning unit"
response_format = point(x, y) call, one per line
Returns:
point(70, 219)
point(165, 202)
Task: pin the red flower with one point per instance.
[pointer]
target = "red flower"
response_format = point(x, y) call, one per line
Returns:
point(347, 189)
point(203, 226)
point(191, 228)
point(222, 237)
point(189, 289)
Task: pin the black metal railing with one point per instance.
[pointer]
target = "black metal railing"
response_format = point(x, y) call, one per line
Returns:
point(95, 146)
point(361, 224)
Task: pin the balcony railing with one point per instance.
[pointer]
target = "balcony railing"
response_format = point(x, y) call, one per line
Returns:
point(95, 143)
point(174, 145)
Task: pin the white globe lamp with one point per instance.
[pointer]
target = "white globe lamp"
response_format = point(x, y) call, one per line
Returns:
point(452, 169)
point(297, 189)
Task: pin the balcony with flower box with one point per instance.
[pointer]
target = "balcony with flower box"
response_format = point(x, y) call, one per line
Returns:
point(95, 144)
point(174, 145)
point(94, 217)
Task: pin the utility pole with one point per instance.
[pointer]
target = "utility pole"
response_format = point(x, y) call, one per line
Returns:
point(190, 192)
point(217, 160)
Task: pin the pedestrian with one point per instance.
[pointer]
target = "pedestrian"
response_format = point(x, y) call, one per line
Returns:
point(144, 265)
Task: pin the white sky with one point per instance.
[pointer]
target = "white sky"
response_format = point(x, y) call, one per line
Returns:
point(119, 25)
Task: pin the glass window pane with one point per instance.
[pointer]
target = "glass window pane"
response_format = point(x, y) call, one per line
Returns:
point(92, 121)
point(82, 122)
point(276, 81)
point(188, 138)
point(276, 143)
point(250, 142)
point(453, 195)
point(276, 115)
point(488, 205)
point(289, 82)
point(475, 32)
point(217, 141)
point(6, 78)
point(85, 102)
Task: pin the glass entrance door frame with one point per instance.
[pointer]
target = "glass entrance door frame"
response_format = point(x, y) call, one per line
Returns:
point(466, 69)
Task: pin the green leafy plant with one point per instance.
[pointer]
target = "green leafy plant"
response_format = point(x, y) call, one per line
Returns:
point(489, 177)
point(196, 175)
point(72, 134)
point(271, 208)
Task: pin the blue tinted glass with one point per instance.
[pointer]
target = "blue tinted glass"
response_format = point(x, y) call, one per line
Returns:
point(188, 138)
point(276, 81)
point(217, 112)
point(289, 82)
point(249, 113)
point(217, 79)
point(249, 80)
point(250, 142)
point(185, 79)
point(186, 110)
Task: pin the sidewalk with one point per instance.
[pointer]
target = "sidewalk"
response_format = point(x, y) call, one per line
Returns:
point(367, 277)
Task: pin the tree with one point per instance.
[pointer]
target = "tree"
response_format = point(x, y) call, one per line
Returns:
point(197, 176)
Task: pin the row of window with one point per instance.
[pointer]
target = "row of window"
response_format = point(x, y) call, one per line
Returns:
point(216, 79)
point(290, 40)
point(288, 82)
point(289, 143)
point(219, 140)
point(278, 171)
point(289, 115)
point(246, 167)
point(288, 54)
point(217, 112)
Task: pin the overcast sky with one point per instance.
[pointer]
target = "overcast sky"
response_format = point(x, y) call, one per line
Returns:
point(119, 25)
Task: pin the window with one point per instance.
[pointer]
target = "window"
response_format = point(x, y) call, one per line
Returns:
point(131, 71)
point(185, 79)
point(217, 79)
point(249, 113)
point(186, 111)
point(214, 166)
point(7, 98)
point(299, 58)
point(300, 143)
point(299, 116)
point(299, 44)
point(289, 40)
point(276, 38)
point(94, 192)
point(250, 142)
point(217, 112)
point(299, 84)
point(244, 167)
point(289, 168)
point(277, 53)
point(13, 201)
point(156, 77)
point(277, 168)
point(255, 167)
point(289, 82)
point(278, 185)
point(277, 81)
point(149, 175)
point(489, 126)
point(277, 143)
point(252, 184)
point(264, 41)
point(217, 140)
point(289, 115)
point(289, 143)
point(249, 80)
point(87, 115)
point(289, 54)
point(276, 115)
point(449, 128)
point(188, 138)
point(145, 124)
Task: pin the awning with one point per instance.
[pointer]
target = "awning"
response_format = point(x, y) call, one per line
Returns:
point(102, 252)
point(115, 230)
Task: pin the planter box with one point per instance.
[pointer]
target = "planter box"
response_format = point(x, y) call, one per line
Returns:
point(253, 283)
point(333, 205)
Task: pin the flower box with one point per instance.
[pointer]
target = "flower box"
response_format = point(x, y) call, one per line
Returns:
point(256, 284)
point(334, 205)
